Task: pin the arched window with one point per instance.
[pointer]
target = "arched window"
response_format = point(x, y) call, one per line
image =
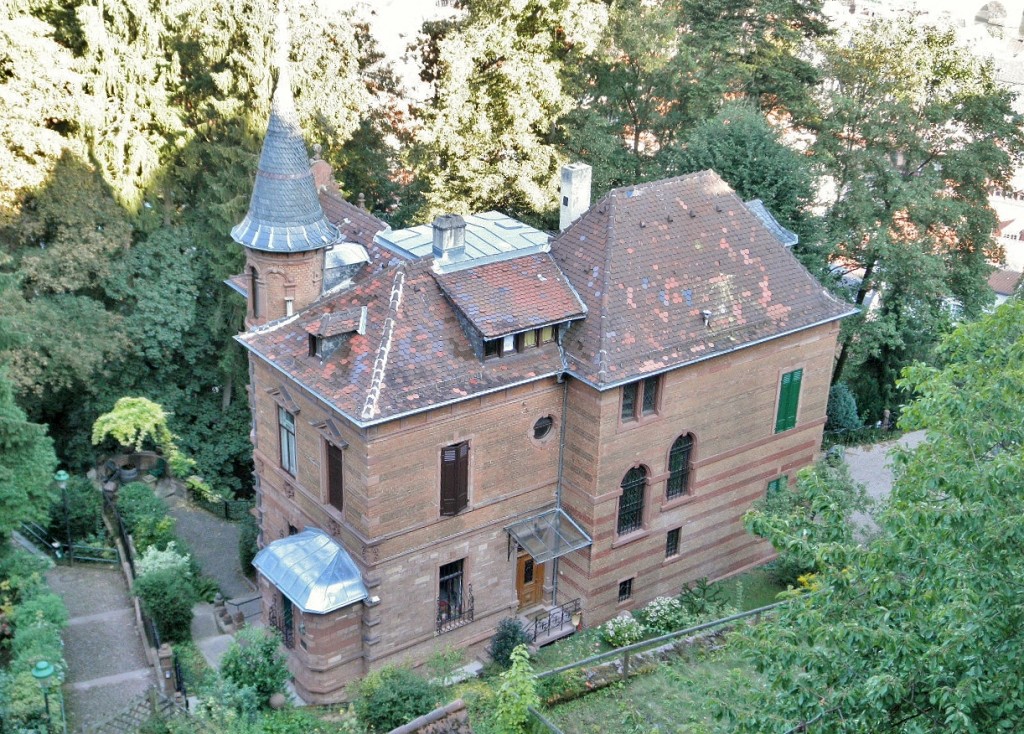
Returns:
point(631, 503)
point(254, 293)
point(679, 467)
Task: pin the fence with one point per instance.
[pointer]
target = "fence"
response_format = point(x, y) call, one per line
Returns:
point(626, 653)
point(61, 551)
point(250, 607)
point(227, 509)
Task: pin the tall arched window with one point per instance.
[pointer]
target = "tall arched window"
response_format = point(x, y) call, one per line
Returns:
point(254, 293)
point(631, 503)
point(679, 467)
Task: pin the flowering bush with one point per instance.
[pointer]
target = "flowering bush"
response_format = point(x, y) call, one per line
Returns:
point(622, 631)
point(154, 559)
point(663, 615)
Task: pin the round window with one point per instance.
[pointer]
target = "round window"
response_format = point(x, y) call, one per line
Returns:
point(542, 427)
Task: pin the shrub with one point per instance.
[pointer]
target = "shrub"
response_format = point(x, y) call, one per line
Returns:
point(841, 413)
point(392, 696)
point(701, 598)
point(255, 661)
point(155, 559)
point(248, 534)
point(516, 694)
point(42, 607)
point(82, 515)
point(507, 637)
point(622, 631)
point(136, 503)
point(664, 614)
point(167, 598)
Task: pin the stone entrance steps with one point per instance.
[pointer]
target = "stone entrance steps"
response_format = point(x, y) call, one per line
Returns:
point(545, 624)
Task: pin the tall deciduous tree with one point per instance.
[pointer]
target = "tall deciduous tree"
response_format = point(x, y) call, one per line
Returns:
point(743, 148)
point(487, 136)
point(920, 631)
point(914, 132)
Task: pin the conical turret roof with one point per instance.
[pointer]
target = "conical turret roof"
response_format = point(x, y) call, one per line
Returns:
point(284, 213)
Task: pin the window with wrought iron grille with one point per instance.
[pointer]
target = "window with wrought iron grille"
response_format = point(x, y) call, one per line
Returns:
point(679, 467)
point(672, 543)
point(625, 589)
point(640, 398)
point(286, 423)
point(631, 502)
point(454, 601)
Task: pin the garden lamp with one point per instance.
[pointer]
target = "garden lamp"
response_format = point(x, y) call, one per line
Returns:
point(43, 672)
point(61, 478)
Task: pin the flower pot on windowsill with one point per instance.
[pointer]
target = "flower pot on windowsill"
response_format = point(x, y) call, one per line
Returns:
point(128, 473)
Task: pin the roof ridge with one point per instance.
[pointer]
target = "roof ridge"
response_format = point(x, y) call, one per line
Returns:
point(380, 363)
point(602, 351)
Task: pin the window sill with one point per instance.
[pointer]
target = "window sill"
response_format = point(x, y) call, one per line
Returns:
point(669, 560)
point(627, 423)
point(683, 499)
point(630, 537)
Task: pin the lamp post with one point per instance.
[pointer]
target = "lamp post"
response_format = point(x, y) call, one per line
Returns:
point(42, 672)
point(61, 478)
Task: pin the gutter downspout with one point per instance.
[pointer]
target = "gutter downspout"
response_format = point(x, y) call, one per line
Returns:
point(561, 459)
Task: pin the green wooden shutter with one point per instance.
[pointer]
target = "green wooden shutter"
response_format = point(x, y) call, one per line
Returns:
point(789, 400)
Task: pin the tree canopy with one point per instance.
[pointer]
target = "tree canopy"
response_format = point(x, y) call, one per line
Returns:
point(920, 631)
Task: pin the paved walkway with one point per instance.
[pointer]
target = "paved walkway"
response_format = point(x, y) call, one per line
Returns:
point(870, 466)
point(107, 665)
point(212, 540)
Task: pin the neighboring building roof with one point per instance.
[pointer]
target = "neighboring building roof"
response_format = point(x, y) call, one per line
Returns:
point(648, 260)
point(785, 236)
point(284, 212)
point(413, 354)
point(514, 295)
point(313, 571)
point(1004, 282)
point(489, 235)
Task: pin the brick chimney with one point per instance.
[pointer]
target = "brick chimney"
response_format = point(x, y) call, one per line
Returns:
point(575, 192)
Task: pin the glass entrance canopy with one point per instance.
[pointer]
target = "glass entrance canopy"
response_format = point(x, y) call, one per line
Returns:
point(549, 535)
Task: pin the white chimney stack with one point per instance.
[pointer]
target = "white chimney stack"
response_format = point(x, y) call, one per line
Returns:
point(575, 192)
point(449, 236)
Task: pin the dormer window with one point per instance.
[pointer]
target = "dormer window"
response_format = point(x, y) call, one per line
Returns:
point(327, 333)
point(520, 342)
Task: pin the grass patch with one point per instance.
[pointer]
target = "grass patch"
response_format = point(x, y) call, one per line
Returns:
point(750, 590)
point(569, 649)
point(680, 695)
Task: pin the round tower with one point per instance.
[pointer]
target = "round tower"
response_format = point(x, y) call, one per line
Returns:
point(285, 232)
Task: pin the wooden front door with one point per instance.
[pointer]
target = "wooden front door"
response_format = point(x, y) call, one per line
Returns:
point(529, 581)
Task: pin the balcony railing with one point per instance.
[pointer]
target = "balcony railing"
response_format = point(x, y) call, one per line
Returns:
point(451, 615)
point(555, 620)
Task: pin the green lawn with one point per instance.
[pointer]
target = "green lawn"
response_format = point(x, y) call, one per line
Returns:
point(676, 696)
point(750, 590)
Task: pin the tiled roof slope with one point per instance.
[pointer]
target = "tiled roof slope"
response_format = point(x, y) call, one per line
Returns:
point(1004, 282)
point(648, 259)
point(355, 224)
point(412, 356)
point(284, 212)
point(512, 295)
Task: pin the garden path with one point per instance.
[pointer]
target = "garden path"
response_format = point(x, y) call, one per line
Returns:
point(107, 665)
point(870, 466)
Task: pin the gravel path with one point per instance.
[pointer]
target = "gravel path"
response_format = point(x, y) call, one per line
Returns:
point(107, 665)
point(214, 542)
point(869, 465)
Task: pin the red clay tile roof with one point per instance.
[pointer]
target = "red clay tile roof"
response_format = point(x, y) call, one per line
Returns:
point(649, 259)
point(512, 295)
point(413, 355)
point(357, 225)
point(239, 283)
point(337, 323)
point(1004, 282)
